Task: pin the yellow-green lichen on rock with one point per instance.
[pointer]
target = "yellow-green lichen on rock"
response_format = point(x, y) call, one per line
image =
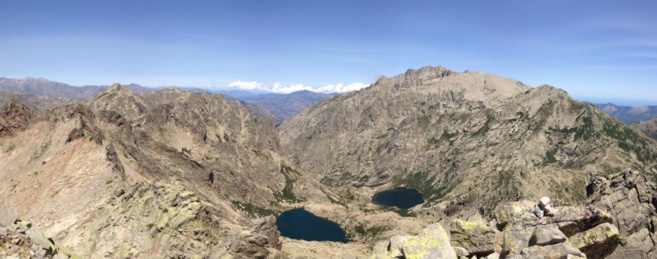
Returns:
point(515, 212)
point(476, 238)
point(597, 242)
point(432, 242)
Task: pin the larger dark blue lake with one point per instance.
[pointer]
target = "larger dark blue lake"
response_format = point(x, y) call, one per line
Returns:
point(402, 198)
point(303, 225)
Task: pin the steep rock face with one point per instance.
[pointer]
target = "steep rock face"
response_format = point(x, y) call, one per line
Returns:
point(467, 141)
point(132, 176)
point(630, 197)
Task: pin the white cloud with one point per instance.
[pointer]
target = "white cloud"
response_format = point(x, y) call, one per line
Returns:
point(280, 89)
point(341, 88)
point(291, 88)
point(253, 85)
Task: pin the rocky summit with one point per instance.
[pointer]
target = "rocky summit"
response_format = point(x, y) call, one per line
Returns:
point(505, 170)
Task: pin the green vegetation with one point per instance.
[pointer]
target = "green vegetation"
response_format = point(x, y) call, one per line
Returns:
point(382, 146)
point(629, 140)
point(290, 177)
point(363, 231)
point(482, 131)
point(252, 210)
point(585, 132)
point(186, 152)
point(226, 137)
point(549, 156)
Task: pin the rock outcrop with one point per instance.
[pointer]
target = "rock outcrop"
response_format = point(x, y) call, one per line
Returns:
point(14, 116)
point(19, 239)
point(630, 198)
point(258, 241)
point(516, 232)
point(431, 242)
point(571, 230)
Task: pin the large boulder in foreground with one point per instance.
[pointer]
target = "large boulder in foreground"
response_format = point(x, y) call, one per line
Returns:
point(477, 238)
point(432, 242)
point(598, 242)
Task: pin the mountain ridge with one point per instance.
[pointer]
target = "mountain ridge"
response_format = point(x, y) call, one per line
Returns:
point(465, 152)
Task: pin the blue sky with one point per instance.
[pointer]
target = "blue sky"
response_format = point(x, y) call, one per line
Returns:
point(596, 50)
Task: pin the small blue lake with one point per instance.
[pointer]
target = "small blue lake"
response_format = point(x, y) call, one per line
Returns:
point(403, 198)
point(303, 225)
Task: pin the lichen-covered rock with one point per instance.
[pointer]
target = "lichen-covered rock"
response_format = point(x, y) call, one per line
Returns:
point(597, 242)
point(516, 238)
point(433, 242)
point(572, 220)
point(561, 250)
point(547, 235)
point(519, 213)
point(476, 238)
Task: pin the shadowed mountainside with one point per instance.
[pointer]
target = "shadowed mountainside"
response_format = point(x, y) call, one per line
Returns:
point(629, 114)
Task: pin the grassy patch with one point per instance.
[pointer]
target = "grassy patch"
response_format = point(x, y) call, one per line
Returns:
point(287, 193)
point(252, 210)
point(363, 231)
point(186, 152)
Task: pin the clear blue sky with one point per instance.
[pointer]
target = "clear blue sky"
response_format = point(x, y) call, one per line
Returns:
point(593, 49)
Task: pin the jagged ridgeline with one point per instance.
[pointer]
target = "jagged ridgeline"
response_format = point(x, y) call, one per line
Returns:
point(166, 173)
point(467, 140)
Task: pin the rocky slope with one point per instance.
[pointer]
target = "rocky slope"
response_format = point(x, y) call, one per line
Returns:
point(468, 141)
point(20, 239)
point(629, 114)
point(165, 173)
point(648, 127)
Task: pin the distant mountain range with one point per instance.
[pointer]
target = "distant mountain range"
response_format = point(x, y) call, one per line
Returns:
point(48, 88)
point(41, 93)
point(629, 114)
point(283, 106)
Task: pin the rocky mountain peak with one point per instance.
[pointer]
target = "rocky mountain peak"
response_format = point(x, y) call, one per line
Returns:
point(122, 100)
point(14, 116)
point(116, 87)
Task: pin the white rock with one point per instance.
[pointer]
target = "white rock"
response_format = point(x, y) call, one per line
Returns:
point(538, 211)
point(544, 201)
